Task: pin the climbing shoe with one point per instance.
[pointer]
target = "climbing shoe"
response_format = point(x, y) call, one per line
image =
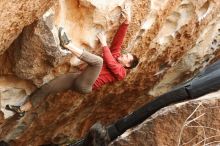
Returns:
point(64, 40)
point(15, 109)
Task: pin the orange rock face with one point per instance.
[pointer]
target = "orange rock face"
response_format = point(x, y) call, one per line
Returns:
point(15, 15)
point(173, 39)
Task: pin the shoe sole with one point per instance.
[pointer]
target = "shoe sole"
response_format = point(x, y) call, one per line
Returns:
point(21, 114)
point(63, 39)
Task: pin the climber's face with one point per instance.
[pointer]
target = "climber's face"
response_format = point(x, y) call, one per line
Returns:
point(125, 59)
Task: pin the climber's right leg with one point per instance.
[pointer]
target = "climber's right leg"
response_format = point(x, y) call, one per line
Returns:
point(87, 78)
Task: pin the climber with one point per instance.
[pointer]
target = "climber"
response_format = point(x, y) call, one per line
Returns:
point(93, 77)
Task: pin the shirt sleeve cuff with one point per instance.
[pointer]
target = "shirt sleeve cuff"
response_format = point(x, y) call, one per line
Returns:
point(105, 47)
point(124, 23)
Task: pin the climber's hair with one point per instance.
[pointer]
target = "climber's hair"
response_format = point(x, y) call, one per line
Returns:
point(134, 62)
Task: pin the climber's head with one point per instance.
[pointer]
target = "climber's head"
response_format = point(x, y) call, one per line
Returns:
point(128, 60)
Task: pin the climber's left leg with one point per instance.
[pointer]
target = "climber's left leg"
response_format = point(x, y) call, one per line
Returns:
point(59, 84)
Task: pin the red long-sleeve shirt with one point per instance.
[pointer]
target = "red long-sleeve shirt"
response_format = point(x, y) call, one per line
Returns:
point(112, 70)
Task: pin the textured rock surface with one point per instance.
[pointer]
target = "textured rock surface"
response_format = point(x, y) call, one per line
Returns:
point(39, 50)
point(14, 15)
point(189, 123)
point(174, 39)
point(83, 19)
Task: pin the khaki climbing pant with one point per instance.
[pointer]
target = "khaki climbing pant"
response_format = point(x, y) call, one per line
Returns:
point(80, 82)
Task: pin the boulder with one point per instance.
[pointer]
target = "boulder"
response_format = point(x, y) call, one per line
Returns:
point(17, 14)
point(174, 39)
